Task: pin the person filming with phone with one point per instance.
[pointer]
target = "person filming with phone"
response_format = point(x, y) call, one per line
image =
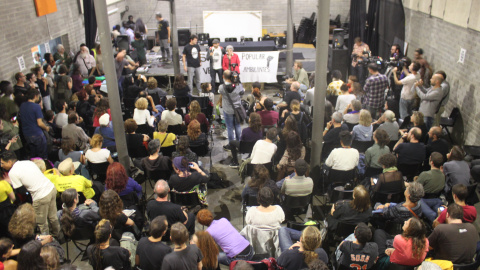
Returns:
point(187, 175)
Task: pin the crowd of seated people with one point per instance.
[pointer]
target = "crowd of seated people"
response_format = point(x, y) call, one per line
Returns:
point(56, 194)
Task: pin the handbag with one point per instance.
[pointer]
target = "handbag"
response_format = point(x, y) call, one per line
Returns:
point(239, 111)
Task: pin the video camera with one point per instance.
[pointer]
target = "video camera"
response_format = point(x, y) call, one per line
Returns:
point(399, 63)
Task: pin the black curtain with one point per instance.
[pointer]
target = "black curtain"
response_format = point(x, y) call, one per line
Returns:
point(358, 13)
point(385, 23)
point(90, 23)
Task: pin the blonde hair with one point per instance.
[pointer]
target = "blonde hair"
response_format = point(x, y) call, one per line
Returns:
point(365, 118)
point(40, 164)
point(295, 105)
point(141, 104)
point(311, 239)
point(152, 83)
point(96, 141)
point(389, 116)
point(194, 110)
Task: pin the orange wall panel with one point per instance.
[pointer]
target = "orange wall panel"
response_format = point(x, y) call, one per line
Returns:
point(45, 7)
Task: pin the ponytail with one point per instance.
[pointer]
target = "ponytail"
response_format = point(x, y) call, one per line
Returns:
point(67, 220)
point(311, 239)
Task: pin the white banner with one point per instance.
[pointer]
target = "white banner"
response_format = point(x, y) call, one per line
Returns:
point(254, 67)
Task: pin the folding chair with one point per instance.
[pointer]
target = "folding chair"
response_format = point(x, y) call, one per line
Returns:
point(98, 171)
point(446, 122)
point(362, 146)
point(249, 202)
point(79, 234)
point(295, 206)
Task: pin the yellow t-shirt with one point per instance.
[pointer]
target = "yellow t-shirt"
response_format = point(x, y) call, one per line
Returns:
point(168, 142)
point(78, 182)
point(5, 189)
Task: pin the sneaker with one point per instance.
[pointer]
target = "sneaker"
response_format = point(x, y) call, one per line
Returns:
point(233, 164)
point(168, 61)
point(226, 147)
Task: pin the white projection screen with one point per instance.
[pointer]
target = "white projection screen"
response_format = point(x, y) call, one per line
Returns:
point(227, 24)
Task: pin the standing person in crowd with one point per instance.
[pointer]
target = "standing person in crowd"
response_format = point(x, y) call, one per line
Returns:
point(85, 61)
point(163, 37)
point(357, 69)
point(62, 55)
point(33, 127)
point(63, 85)
point(50, 85)
point(150, 249)
point(61, 118)
point(42, 83)
point(139, 45)
point(430, 98)
point(140, 27)
point(183, 256)
point(102, 254)
point(407, 96)
point(426, 69)
point(234, 246)
point(205, 242)
point(215, 56)
point(252, 133)
point(6, 89)
point(231, 61)
point(26, 173)
point(207, 92)
point(20, 88)
point(191, 62)
point(364, 130)
point(120, 64)
point(235, 93)
point(374, 89)
point(77, 79)
point(97, 54)
point(445, 97)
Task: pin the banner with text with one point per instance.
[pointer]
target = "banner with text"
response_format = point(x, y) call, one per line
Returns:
point(254, 66)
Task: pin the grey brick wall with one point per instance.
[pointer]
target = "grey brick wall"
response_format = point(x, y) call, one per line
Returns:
point(21, 30)
point(441, 42)
point(189, 13)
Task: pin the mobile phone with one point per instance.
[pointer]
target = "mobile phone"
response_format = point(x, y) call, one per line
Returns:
point(81, 152)
point(441, 208)
point(14, 118)
point(190, 165)
point(375, 180)
point(115, 155)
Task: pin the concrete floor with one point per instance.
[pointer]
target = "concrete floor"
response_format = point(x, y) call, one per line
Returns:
point(227, 202)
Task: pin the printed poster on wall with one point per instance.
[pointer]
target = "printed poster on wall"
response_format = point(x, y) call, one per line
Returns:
point(254, 66)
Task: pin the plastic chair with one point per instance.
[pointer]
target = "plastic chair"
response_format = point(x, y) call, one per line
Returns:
point(446, 122)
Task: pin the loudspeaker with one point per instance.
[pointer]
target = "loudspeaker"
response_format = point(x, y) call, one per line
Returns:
point(123, 43)
point(338, 59)
point(338, 38)
point(183, 37)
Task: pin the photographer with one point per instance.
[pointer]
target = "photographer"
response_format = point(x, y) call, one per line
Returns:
point(395, 52)
point(407, 96)
point(359, 49)
point(231, 61)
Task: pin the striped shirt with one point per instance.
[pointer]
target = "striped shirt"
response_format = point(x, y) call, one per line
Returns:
point(297, 186)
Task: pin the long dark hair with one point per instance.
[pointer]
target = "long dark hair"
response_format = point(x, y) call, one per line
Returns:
point(140, 26)
point(67, 220)
point(179, 82)
point(294, 146)
point(416, 232)
point(102, 107)
point(260, 177)
point(102, 234)
point(255, 122)
point(29, 257)
point(290, 125)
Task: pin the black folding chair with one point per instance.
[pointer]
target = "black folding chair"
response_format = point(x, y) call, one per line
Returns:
point(188, 199)
point(182, 102)
point(98, 171)
point(79, 234)
point(176, 129)
point(246, 147)
point(153, 176)
point(362, 146)
point(295, 206)
point(168, 150)
point(409, 170)
point(446, 122)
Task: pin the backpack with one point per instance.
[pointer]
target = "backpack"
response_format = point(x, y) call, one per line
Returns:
point(271, 264)
point(129, 243)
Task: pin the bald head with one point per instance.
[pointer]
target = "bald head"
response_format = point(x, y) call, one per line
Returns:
point(435, 133)
point(436, 79)
point(415, 134)
point(295, 86)
point(162, 188)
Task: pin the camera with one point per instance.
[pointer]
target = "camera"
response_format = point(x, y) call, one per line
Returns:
point(403, 62)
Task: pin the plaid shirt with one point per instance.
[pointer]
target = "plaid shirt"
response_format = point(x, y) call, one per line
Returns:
point(374, 88)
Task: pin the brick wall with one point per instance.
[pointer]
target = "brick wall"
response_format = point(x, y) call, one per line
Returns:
point(441, 42)
point(190, 13)
point(21, 30)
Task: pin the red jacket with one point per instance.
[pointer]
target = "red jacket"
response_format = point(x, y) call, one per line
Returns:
point(234, 60)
